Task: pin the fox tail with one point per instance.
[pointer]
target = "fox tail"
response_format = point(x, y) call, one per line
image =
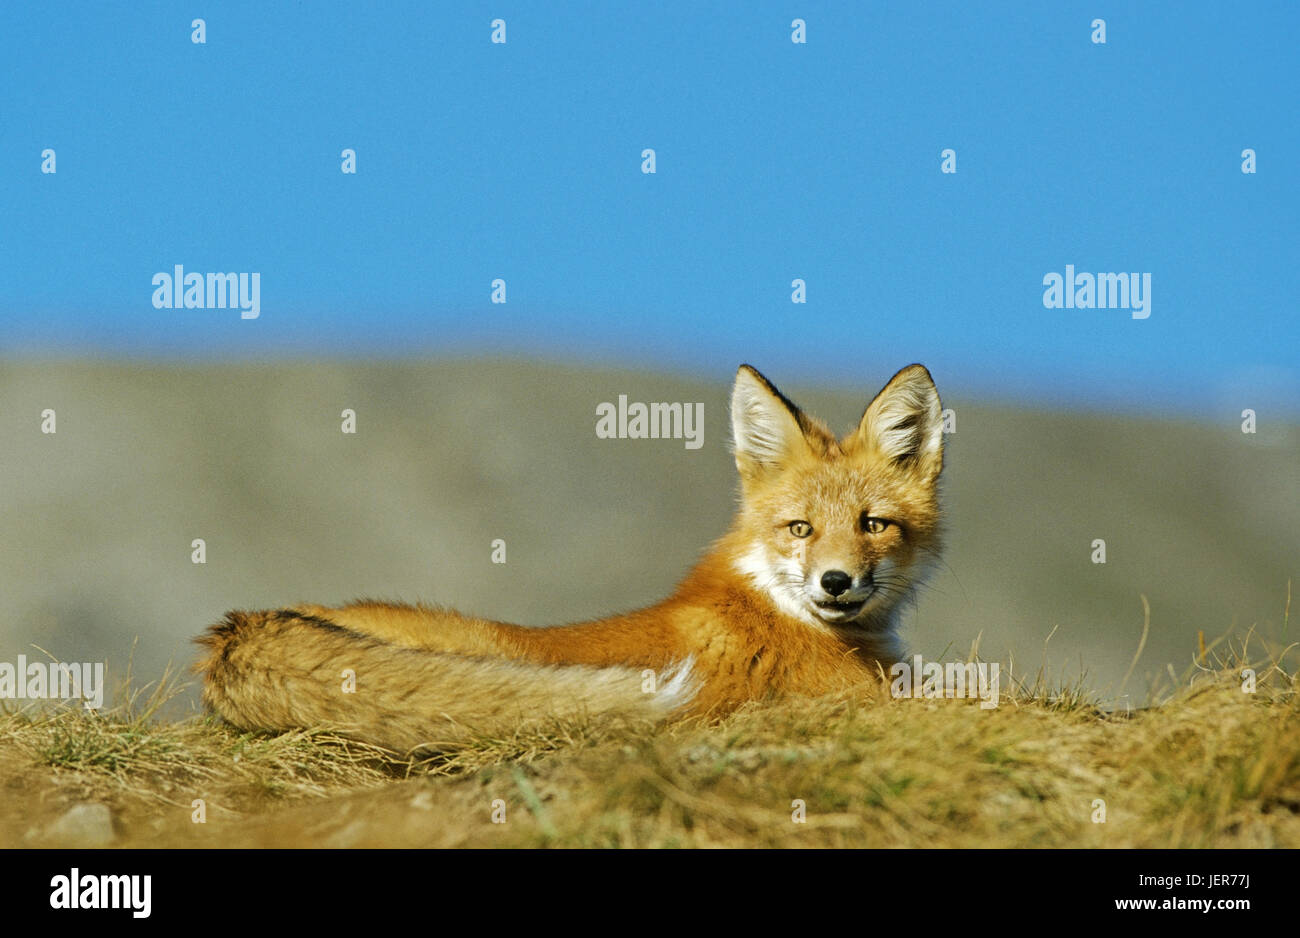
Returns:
point(281, 670)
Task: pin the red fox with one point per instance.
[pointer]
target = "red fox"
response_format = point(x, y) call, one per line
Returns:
point(801, 596)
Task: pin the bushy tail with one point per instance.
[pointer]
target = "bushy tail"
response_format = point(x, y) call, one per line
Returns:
point(282, 670)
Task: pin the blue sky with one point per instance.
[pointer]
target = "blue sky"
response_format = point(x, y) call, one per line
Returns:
point(775, 161)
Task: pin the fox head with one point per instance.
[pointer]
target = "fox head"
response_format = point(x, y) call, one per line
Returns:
point(838, 532)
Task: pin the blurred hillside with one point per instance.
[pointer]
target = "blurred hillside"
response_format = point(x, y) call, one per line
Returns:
point(449, 455)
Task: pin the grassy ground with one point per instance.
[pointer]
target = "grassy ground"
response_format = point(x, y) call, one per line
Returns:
point(1205, 765)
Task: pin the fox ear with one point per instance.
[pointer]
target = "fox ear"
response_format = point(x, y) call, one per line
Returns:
point(905, 423)
point(766, 427)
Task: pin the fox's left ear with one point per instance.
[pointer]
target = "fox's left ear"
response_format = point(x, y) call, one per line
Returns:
point(905, 423)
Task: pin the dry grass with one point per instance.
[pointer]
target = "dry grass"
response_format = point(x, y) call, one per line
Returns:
point(1203, 765)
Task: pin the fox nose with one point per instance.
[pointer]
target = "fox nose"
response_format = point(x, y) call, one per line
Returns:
point(836, 581)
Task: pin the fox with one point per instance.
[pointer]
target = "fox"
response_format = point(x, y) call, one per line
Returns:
point(803, 595)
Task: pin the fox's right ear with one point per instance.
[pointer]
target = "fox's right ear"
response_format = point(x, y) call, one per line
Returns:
point(765, 426)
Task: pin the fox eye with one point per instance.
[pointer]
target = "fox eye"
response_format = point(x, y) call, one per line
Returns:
point(800, 528)
point(873, 525)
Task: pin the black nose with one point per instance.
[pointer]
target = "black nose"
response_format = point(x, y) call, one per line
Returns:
point(836, 581)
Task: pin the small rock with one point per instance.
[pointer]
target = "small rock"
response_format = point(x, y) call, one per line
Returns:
point(88, 825)
point(346, 837)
